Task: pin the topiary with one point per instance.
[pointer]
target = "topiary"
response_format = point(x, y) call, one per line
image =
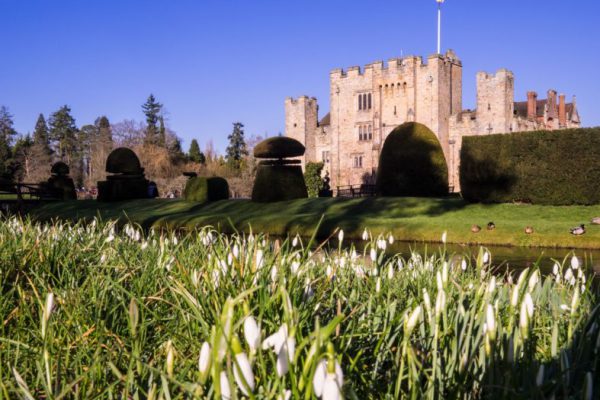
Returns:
point(59, 168)
point(279, 147)
point(412, 163)
point(123, 161)
point(201, 189)
point(276, 182)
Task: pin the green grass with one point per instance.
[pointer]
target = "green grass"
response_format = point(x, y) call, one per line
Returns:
point(89, 312)
point(409, 219)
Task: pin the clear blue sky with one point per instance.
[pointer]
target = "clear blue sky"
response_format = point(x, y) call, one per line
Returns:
point(213, 62)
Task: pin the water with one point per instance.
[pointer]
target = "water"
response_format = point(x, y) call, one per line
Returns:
point(514, 258)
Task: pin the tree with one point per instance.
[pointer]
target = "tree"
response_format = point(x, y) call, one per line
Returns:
point(194, 154)
point(6, 133)
point(40, 154)
point(162, 132)
point(151, 110)
point(312, 177)
point(21, 158)
point(64, 132)
point(237, 146)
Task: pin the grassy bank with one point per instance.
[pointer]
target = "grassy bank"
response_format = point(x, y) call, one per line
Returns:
point(411, 219)
point(89, 312)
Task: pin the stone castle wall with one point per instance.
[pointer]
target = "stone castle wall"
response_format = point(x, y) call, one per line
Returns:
point(367, 104)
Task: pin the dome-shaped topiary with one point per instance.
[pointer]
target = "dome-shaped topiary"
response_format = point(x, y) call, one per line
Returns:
point(279, 147)
point(123, 161)
point(201, 189)
point(412, 163)
point(60, 168)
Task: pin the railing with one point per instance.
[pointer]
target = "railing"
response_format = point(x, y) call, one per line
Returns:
point(363, 190)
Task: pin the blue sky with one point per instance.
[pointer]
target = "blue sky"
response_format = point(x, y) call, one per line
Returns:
point(213, 62)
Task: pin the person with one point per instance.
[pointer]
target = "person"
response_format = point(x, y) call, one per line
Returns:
point(152, 190)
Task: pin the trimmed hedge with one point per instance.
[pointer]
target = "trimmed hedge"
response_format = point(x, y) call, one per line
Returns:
point(202, 189)
point(278, 183)
point(544, 167)
point(279, 147)
point(412, 163)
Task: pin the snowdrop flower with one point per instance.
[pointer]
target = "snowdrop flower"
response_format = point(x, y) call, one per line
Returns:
point(204, 360)
point(400, 264)
point(365, 235)
point(341, 236)
point(528, 304)
point(225, 387)
point(574, 262)
point(242, 370)
point(575, 302)
point(251, 333)
point(229, 259)
point(463, 264)
point(412, 320)
point(381, 244)
point(373, 255)
point(492, 285)
point(286, 395)
point(444, 236)
point(284, 346)
point(445, 272)
point(440, 302)
point(440, 282)
point(490, 321)
point(236, 250)
point(295, 241)
point(294, 267)
point(328, 380)
point(378, 285)
point(568, 274)
point(427, 302)
point(390, 239)
point(565, 307)
point(486, 257)
point(555, 268)
point(533, 280)
point(274, 273)
point(390, 274)
point(259, 259)
point(110, 238)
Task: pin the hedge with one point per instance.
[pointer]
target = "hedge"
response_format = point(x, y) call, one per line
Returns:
point(412, 163)
point(544, 167)
point(202, 189)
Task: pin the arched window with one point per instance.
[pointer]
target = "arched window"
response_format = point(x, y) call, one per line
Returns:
point(370, 132)
point(369, 105)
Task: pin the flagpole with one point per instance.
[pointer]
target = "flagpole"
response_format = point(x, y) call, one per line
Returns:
point(439, 31)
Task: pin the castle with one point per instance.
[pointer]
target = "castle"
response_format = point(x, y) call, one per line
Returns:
point(366, 105)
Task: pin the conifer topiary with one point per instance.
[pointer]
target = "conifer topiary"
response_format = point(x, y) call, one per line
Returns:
point(412, 163)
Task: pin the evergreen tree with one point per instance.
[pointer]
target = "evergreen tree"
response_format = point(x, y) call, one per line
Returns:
point(104, 131)
point(40, 135)
point(151, 110)
point(162, 132)
point(195, 154)
point(21, 158)
point(6, 134)
point(63, 133)
point(40, 159)
point(237, 146)
point(175, 152)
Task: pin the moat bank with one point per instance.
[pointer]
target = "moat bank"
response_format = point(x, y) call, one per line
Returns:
point(407, 219)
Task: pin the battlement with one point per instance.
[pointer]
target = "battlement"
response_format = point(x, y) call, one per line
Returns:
point(502, 73)
point(297, 100)
point(395, 65)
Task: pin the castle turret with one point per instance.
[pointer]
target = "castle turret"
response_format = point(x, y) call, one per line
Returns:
point(301, 122)
point(495, 101)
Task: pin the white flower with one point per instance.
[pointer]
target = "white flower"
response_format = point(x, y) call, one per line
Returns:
point(236, 250)
point(486, 257)
point(568, 274)
point(225, 387)
point(528, 304)
point(283, 346)
point(295, 241)
point(565, 307)
point(555, 268)
point(444, 236)
point(574, 262)
point(341, 236)
point(373, 255)
point(259, 259)
point(365, 235)
point(490, 321)
point(400, 264)
point(533, 280)
point(295, 266)
point(243, 369)
point(390, 239)
point(378, 285)
point(251, 333)
point(492, 285)
point(440, 282)
point(411, 322)
point(463, 264)
point(390, 274)
point(324, 382)
point(286, 395)
point(440, 302)
point(49, 306)
point(204, 359)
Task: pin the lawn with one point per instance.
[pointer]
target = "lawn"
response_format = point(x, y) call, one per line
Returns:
point(409, 219)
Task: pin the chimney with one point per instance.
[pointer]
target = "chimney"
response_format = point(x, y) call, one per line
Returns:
point(531, 105)
point(552, 104)
point(562, 111)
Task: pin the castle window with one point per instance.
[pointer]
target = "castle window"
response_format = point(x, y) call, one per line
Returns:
point(357, 160)
point(364, 101)
point(325, 157)
point(369, 105)
point(370, 132)
point(360, 133)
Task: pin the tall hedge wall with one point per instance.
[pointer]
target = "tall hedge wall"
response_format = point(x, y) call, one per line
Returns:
point(546, 167)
